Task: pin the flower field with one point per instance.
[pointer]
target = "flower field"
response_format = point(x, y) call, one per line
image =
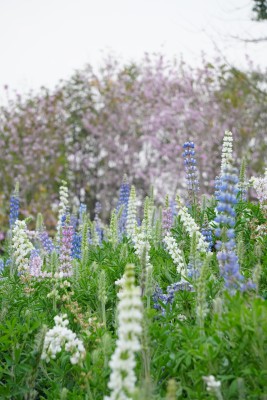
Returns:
point(163, 301)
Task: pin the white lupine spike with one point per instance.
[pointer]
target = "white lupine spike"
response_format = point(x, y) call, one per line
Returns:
point(122, 378)
point(21, 246)
point(260, 186)
point(131, 223)
point(60, 337)
point(63, 204)
point(175, 253)
point(142, 244)
point(191, 226)
point(227, 149)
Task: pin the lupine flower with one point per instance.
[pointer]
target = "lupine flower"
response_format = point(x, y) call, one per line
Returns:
point(61, 338)
point(160, 298)
point(207, 232)
point(22, 247)
point(141, 246)
point(227, 257)
point(260, 186)
point(73, 221)
point(213, 386)
point(182, 285)
point(227, 150)
point(167, 217)
point(65, 250)
point(191, 226)
point(227, 154)
point(243, 183)
point(113, 229)
point(36, 263)
point(191, 170)
point(122, 378)
point(76, 250)
point(63, 205)
point(167, 220)
point(195, 262)
point(131, 214)
point(46, 242)
point(14, 207)
point(175, 253)
point(123, 202)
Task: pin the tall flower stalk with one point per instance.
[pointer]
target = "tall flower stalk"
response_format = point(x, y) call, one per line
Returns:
point(123, 203)
point(226, 245)
point(131, 222)
point(14, 207)
point(22, 247)
point(122, 378)
point(190, 164)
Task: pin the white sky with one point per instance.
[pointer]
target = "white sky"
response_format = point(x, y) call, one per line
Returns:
point(42, 41)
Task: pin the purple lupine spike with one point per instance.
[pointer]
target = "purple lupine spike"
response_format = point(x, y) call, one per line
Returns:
point(167, 220)
point(191, 170)
point(46, 242)
point(65, 250)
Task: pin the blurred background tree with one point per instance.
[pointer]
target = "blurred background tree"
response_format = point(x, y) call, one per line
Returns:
point(260, 10)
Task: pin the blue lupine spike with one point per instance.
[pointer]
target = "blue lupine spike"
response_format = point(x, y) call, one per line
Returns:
point(14, 207)
point(226, 246)
point(123, 202)
point(76, 250)
point(46, 242)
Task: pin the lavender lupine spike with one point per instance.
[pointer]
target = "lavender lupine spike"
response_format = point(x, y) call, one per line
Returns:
point(14, 207)
point(36, 262)
point(123, 202)
point(191, 171)
point(65, 251)
point(167, 217)
point(226, 246)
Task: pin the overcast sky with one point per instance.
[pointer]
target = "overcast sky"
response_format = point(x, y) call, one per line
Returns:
point(42, 41)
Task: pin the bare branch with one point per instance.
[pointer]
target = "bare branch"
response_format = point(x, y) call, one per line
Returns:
point(256, 40)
